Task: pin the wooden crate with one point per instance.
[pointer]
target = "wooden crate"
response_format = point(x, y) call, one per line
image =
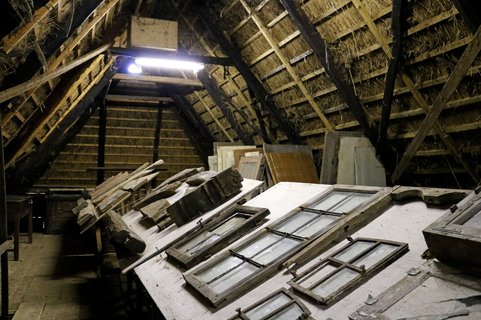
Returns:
point(153, 33)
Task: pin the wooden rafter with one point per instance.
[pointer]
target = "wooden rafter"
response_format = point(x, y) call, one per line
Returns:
point(11, 41)
point(39, 80)
point(440, 102)
point(286, 63)
point(213, 90)
point(445, 138)
point(256, 86)
point(61, 104)
point(230, 80)
point(334, 71)
point(66, 51)
point(21, 177)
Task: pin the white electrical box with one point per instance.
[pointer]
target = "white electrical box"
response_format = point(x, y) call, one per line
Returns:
point(153, 33)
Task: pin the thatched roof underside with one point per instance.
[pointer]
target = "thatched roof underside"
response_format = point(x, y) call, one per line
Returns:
point(358, 34)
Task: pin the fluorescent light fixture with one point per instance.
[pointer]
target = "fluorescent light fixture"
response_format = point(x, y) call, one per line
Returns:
point(172, 64)
point(134, 68)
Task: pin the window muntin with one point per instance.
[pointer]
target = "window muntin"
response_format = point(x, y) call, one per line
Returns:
point(272, 246)
point(341, 271)
point(281, 305)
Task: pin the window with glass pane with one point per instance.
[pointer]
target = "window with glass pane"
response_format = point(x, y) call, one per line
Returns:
point(342, 271)
point(260, 255)
point(458, 227)
point(279, 305)
point(216, 234)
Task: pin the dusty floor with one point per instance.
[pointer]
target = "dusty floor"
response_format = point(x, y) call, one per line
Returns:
point(57, 277)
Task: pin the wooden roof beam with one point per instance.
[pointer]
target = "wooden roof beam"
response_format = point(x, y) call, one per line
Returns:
point(218, 97)
point(260, 92)
point(323, 54)
point(154, 53)
point(157, 79)
point(460, 69)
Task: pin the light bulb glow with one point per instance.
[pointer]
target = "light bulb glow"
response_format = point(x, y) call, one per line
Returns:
point(134, 68)
point(172, 64)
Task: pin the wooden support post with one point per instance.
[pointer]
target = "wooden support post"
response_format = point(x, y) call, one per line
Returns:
point(101, 141)
point(440, 102)
point(3, 232)
point(213, 90)
point(413, 88)
point(251, 80)
point(158, 127)
point(397, 31)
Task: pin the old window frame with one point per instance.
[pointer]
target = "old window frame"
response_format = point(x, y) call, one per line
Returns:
point(254, 218)
point(447, 233)
point(340, 265)
point(415, 278)
point(264, 272)
point(242, 314)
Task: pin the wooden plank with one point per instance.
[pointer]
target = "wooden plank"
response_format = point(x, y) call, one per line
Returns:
point(323, 54)
point(102, 132)
point(49, 75)
point(157, 79)
point(137, 99)
point(460, 69)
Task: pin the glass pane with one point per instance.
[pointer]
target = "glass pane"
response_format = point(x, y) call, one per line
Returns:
point(226, 226)
point(353, 250)
point(233, 278)
point(290, 313)
point(260, 244)
point(272, 253)
point(352, 202)
point(207, 237)
point(375, 255)
point(317, 274)
point(315, 226)
point(335, 282)
point(267, 307)
point(294, 223)
point(330, 200)
point(474, 221)
point(219, 268)
point(198, 243)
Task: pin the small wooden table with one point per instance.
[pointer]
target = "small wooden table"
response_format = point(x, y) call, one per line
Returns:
point(19, 207)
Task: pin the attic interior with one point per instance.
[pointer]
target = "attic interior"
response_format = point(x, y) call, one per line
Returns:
point(240, 159)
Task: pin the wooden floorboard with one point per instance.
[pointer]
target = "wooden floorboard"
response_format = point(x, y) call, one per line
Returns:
point(56, 278)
